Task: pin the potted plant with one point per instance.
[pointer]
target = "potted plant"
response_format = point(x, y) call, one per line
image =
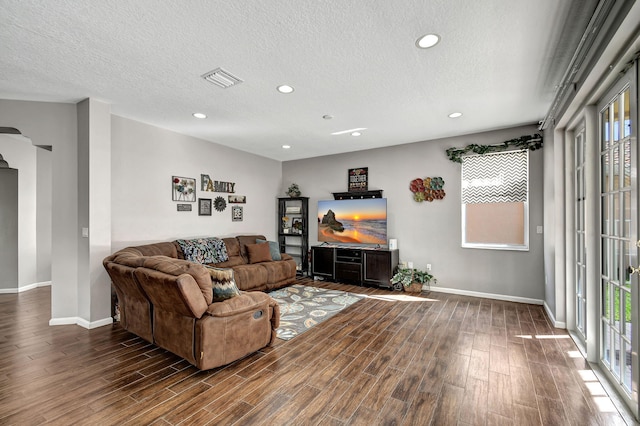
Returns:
point(411, 280)
point(294, 190)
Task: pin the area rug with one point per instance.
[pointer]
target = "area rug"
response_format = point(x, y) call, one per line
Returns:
point(302, 307)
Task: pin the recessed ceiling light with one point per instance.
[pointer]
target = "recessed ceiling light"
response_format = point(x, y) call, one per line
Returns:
point(285, 89)
point(286, 146)
point(427, 41)
point(199, 115)
point(356, 134)
point(342, 132)
point(455, 115)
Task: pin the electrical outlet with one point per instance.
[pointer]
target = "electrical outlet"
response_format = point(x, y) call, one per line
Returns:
point(410, 265)
point(428, 266)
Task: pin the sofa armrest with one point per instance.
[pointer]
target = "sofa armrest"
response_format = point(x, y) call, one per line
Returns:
point(245, 302)
point(285, 256)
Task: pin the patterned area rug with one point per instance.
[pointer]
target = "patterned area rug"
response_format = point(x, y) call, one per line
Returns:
point(302, 307)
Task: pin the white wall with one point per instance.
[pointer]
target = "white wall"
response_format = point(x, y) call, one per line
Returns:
point(431, 232)
point(144, 158)
point(21, 154)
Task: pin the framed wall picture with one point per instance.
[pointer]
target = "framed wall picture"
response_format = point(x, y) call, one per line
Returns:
point(236, 213)
point(204, 206)
point(358, 179)
point(184, 207)
point(183, 189)
point(237, 199)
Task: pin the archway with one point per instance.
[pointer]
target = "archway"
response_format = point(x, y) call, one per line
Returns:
point(26, 237)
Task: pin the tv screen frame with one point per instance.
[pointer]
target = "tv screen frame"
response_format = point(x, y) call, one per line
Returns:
point(359, 221)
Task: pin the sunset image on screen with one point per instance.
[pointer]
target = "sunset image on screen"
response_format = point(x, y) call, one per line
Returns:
point(361, 221)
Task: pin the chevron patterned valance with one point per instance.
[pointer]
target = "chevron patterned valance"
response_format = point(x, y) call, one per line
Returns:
point(495, 178)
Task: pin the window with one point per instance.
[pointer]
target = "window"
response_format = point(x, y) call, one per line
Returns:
point(495, 201)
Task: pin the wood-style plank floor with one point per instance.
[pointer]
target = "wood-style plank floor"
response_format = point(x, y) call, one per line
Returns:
point(391, 358)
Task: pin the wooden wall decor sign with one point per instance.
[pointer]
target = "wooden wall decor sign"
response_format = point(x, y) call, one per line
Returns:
point(216, 186)
point(358, 179)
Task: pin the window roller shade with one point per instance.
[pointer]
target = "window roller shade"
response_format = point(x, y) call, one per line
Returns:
point(495, 178)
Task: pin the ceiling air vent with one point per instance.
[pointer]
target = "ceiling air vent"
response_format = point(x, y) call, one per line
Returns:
point(221, 78)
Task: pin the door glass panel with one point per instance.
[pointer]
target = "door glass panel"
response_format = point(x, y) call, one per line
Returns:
point(605, 215)
point(615, 126)
point(615, 260)
point(615, 214)
point(627, 164)
point(627, 114)
point(606, 129)
point(616, 167)
point(616, 350)
point(605, 258)
point(606, 345)
point(627, 365)
point(605, 170)
point(626, 213)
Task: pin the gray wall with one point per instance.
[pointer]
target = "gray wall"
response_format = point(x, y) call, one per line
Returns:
point(144, 158)
point(431, 232)
point(55, 124)
point(43, 215)
point(8, 228)
point(21, 155)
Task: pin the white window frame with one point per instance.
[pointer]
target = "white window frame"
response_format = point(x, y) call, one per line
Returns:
point(497, 246)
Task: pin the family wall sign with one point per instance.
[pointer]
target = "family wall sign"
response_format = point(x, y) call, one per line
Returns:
point(216, 186)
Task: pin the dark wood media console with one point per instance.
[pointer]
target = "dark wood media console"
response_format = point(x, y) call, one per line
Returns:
point(362, 266)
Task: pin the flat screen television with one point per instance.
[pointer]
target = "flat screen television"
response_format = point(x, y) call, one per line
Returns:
point(359, 221)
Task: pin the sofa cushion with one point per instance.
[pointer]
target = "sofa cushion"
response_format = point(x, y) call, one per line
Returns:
point(204, 250)
point(251, 277)
point(274, 248)
point(177, 267)
point(233, 246)
point(259, 253)
point(243, 240)
point(222, 282)
point(278, 272)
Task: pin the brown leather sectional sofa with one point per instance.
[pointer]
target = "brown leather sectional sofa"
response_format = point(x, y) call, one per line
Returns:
point(168, 301)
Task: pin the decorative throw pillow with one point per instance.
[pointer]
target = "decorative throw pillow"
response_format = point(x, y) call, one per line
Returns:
point(258, 253)
point(274, 248)
point(222, 282)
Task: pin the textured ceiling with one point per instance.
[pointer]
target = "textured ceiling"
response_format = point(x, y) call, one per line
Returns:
point(498, 63)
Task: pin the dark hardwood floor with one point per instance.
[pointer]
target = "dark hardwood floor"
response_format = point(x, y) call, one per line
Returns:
point(391, 358)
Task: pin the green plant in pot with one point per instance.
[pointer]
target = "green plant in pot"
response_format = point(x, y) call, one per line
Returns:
point(411, 280)
point(294, 190)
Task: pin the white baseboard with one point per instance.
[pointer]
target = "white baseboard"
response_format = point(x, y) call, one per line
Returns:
point(81, 322)
point(24, 287)
point(556, 324)
point(486, 295)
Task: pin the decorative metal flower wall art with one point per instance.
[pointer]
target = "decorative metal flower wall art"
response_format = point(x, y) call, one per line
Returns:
point(427, 189)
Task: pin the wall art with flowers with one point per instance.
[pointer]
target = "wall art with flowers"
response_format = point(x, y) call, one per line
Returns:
point(184, 189)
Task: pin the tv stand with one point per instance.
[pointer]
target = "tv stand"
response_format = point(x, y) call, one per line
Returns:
point(356, 265)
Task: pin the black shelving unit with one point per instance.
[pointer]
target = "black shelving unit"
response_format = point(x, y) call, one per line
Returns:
point(293, 234)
